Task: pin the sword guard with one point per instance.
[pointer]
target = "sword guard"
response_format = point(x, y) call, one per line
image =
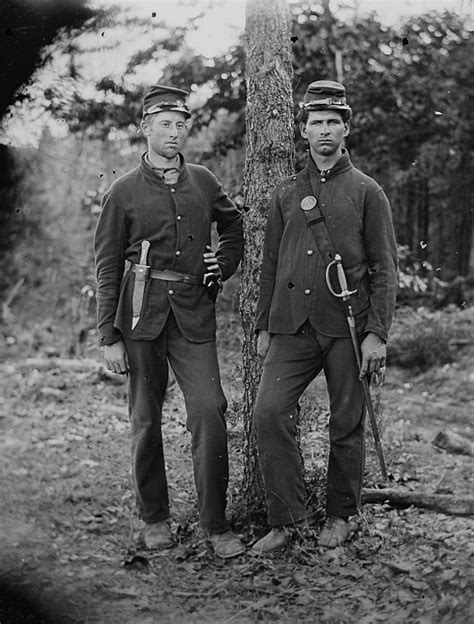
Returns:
point(344, 293)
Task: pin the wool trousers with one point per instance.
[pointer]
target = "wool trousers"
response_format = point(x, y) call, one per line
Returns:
point(196, 368)
point(292, 362)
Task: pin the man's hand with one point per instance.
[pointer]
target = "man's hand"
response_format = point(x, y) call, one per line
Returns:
point(210, 260)
point(116, 358)
point(263, 342)
point(213, 277)
point(374, 354)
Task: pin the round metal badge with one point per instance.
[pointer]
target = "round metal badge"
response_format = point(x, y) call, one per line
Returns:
point(308, 202)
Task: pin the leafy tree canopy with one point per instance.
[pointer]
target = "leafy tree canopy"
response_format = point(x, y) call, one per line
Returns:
point(411, 89)
point(412, 77)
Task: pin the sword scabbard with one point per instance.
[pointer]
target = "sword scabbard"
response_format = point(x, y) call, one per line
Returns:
point(345, 295)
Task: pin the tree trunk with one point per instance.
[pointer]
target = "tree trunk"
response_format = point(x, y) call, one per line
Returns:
point(462, 203)
point(269, 158)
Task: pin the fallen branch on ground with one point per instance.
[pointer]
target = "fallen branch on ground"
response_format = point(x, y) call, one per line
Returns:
point(453, 443)
point(443, 503)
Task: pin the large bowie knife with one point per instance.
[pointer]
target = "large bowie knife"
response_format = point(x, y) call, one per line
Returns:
point(141, 276)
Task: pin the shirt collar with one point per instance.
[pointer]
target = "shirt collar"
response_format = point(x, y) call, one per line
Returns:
point(150, 171)
point(341, 165)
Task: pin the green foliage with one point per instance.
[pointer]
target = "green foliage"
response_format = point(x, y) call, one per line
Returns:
point(422, 347)
point(413, 276)
point(18, 221)
point(421, 339)
point(411, 89)
point(419, 284)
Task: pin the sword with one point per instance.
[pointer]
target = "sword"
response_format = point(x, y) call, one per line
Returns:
point(345, 295)
point(141, 276)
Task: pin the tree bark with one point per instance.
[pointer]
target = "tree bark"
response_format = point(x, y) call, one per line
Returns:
point(443, 503)
point(269, 158)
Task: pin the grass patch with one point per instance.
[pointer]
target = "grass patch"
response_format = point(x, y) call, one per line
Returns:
point(421, 339)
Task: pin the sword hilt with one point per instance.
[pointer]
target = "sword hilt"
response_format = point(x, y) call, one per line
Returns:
point(344, 293)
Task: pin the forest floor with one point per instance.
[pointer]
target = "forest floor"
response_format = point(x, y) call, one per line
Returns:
point(70, 538)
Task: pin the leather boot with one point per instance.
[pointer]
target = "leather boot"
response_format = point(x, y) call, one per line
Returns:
point(226, 545)
point(276, 539)
point(335, 532)
point(158, 535)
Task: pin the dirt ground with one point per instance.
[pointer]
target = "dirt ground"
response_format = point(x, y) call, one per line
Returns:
point(70, 538)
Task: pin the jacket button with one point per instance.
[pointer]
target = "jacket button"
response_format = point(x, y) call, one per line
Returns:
point(173, 190)
point(307, 291)
point(170, 292)
point(310, 252)
point(178, 218)
point(323, 179)
point(178, 253)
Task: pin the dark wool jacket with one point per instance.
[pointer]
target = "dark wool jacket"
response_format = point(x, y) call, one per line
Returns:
point(292, 283)
point(177, 220)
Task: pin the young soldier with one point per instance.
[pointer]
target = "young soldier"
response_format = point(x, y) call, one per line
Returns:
point(302, 328)
point(157, 220)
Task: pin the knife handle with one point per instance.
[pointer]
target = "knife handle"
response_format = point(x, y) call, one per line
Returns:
point(144, 252)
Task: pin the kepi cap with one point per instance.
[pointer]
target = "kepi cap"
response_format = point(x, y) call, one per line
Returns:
point(161, 98)
point(324, 95)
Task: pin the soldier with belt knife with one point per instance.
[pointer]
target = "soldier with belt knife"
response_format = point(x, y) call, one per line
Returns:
point(156, 221)
point(329, 221)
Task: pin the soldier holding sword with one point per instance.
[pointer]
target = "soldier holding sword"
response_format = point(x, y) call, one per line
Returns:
point(329, 221)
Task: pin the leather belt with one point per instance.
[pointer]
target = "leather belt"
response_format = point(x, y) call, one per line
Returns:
point(172, 276)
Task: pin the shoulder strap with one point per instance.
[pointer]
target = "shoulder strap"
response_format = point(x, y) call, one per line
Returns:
point(316, 223)
point(314, 218)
